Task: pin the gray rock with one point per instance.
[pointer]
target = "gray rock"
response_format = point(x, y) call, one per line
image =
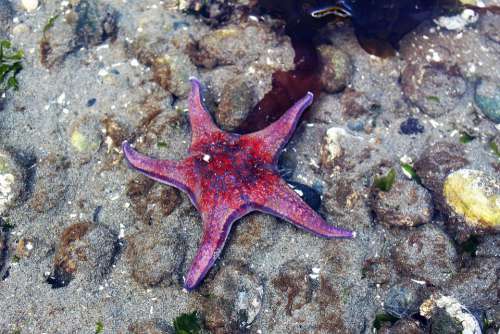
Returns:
point(406, 204)
point(487, 97)
point(443, 323)
point(403, 300)
point(337, 68)
point(155, 256)
point(403, 326)
point(85, 254)
point(426, 254)
point(6, 15)
point(436, 88)
point(237, 100)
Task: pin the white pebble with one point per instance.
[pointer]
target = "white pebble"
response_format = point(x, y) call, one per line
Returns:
point(30, 5)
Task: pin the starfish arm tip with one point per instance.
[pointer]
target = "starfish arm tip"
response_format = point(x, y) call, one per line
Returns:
point(310, 94)
point(194, 80)
point(354, 234)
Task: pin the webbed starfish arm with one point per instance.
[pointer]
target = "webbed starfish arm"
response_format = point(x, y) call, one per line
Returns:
point(284, 203)
point(274, 137)
point(202, 125)
point(216, 227)
point(164, 171)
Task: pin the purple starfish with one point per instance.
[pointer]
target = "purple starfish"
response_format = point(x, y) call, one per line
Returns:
point(228, 175)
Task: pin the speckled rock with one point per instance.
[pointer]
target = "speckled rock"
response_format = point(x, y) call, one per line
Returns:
point(85, 137)
point(172, 72)
point(49, 189)
point(435, 88)
point(236, 298)
point(487, 97)
point(155, 256)
point(6, 14)
point(156, 326)
point(403, 326)
point(337, 68)
point(403, 300)
point(84, 255)
point(406, 204)
point(436, 163)
point(426, 254)
point(475, 197)
point(11, 180)
point(88, 23)
point(237, 99)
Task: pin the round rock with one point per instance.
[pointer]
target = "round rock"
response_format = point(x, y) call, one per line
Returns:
point(436, 89)
point(406, 204)
point(337, 68)
point(487, 97)
point(237, 100)
point(11, 180)
point(85, 138)
point(426, 254)
point(474, 196)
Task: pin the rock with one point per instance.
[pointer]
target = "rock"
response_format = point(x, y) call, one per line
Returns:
point(237, 100)
point(356, 104)
point(337, 148)
point(458, 22)
point(156, 326)
point(155, 256)
point(411, 126)
point(236, 299)
point(487, 98)
point(435, 164)
point(435, 88)
point(403, 326)
point(172, 72)
point(6, 16)
point(403, 300)
point(85, 138)
point(87, 24)
point(151, 200)
point(490, 26)
point(29, 5)
point(475, 197)
point(50, 182)
point(85, 254)
point(443, 323)
point(406, 204)
point(11, 181)
point(426, 254)
point(337, 68)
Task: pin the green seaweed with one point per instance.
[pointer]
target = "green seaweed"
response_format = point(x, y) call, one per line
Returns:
point(50, 23)
point(161, 144)
point(381, 318)
point(99, 327)
point(187, 323)
point(494, 148)
point(433, 98)
point(408, 170)
point(10, 66)
point(385, 183)
point(466, 138)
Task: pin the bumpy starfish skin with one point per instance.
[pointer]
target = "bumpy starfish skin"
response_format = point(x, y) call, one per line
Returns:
point(227, 175)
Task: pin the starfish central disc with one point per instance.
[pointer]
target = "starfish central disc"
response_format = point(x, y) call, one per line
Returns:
point(227, 175)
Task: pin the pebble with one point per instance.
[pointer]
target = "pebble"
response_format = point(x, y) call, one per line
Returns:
point(237, 99)
point(30, 5)
point(337, 68)
point(487, 98)
point(475, 196)
point(411, 126)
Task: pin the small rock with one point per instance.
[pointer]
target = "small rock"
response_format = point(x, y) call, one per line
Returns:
point(426, 254)
point(172, 72)
point(29, 5)
point(237, 99)
point(155, 256)
point(443, 323)
point(435, 88)
point(487, 97)
point(403, 326)
point(458, 22)
point(85, 137)
point(337, 68)
point(475, 196)
point(236, 299)
point(11, 180)
point(436, 163)
point(411, 126)
point(356, 104)
point(85, 253)
point(403, 300)
point(406, 204)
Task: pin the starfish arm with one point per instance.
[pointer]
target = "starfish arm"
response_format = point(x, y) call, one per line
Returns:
point(274, 137)
point(284, 203)
point(164, 171)
point(202, 125)
point(216, 227)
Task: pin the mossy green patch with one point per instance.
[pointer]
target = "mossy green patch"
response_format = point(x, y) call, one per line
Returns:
point(385, 183)
point(187, 323)
point(10, 66)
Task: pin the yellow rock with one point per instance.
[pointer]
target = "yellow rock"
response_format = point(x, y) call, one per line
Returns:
point(475, 196)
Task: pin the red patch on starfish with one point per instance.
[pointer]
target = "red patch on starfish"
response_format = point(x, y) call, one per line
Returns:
point(228, 175)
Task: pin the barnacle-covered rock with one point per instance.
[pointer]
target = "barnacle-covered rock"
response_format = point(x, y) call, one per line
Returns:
point(11, 180)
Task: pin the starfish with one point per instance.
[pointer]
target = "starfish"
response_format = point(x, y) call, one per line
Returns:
point(228, 175)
